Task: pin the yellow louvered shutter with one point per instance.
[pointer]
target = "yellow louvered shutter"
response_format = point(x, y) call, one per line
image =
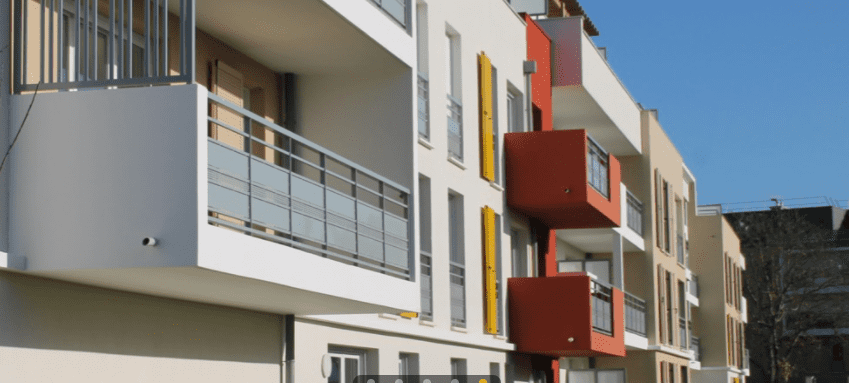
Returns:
point(491, 299)
point(485, 83)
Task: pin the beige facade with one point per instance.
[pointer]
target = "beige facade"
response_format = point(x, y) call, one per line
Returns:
point(720, 318)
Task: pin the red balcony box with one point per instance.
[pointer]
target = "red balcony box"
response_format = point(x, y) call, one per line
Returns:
point(554, 316)
point(547, 179)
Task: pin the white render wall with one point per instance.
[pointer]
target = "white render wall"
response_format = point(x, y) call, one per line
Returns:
point(5, 119)
point(486, 26)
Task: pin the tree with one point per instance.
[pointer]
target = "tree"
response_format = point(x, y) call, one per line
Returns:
point(792, 274)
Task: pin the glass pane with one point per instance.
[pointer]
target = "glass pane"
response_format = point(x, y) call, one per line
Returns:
point(601, 269)
point(611, 377)
point(351, 369)
point(569, 267)
point(335, 370)
point(581, 377)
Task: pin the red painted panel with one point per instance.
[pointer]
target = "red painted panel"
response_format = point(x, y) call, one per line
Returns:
point(539, 50)
point(547, 180)
point(545, 313)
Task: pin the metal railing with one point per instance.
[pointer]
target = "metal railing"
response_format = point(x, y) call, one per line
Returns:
point(682, 333)
point(696, 346)
point(745, 358)
point(424, 107)
point(601, 301)
point(426, 286)
point(597, 167)
point(634, 213)
point(457, 275)
point(397, 9)
point(455, 128)
point(78, 44)
point(270, 183)
point(635, 315)
point(680, 249)
point(694, 286)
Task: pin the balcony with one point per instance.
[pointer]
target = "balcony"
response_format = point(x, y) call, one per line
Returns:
point(636, 337)
point(696, 347)
point(586, 92)
point(250, 206)
point(563, 179)
point(582, 317)
point(153, 42)
point(634, 213)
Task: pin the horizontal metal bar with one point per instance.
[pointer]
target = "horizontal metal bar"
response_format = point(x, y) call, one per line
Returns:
point(220, 100)
point(106, 83)
point(285, 241)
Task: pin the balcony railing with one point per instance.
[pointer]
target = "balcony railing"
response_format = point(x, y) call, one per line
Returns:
point(597, 168)
point(635, 315)
point(455, 128)
point(694, 286)
point(680, 250)
point(682, 333)
point(601, 300)
point(635, 213)
point(270, 183)
point(397, 9)
point(427, 286)
point(696, 346)
point(745, 358)
point(77, 47)
point(424, 107)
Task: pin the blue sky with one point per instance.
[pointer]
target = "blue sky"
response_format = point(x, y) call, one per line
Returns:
point(754, 94)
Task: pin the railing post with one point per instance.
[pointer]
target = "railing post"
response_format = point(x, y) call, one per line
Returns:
point(189, 39)
point(19, 41)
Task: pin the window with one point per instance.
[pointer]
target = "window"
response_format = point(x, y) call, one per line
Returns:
point(345, 364)
point(666, 222)
point(599, 268)
point(423, 82)
point(84, 69)
point(425, 238)
point(514, 110)
point(671, 372)
point(408, 364)
point(684, 375)
point(519, 253)
point(452, 86)
point(670, 317)
point(597, 167)
point(458, 368)
point(457, 261)
point(495, 370)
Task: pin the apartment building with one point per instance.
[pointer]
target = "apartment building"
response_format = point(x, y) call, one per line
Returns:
point(247, 191)
point(195, 177)
point(253, 191)
point(718, 319)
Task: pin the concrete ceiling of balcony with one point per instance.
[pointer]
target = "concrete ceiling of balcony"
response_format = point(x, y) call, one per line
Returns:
point(594, 240)
point(298, 36)
point(575, 108)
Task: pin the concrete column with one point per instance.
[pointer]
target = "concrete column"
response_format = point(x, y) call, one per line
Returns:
point(618, 277)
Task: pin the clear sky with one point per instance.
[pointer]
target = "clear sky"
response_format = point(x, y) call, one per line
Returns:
point(754, 94)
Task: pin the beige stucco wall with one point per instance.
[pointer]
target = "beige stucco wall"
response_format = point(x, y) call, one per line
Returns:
point(57, 331)
point(713, 239)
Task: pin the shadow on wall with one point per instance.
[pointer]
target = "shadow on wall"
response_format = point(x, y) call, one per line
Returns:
point(39, 313)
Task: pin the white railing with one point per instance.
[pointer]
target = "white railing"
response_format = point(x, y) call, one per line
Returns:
point(455, 128)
